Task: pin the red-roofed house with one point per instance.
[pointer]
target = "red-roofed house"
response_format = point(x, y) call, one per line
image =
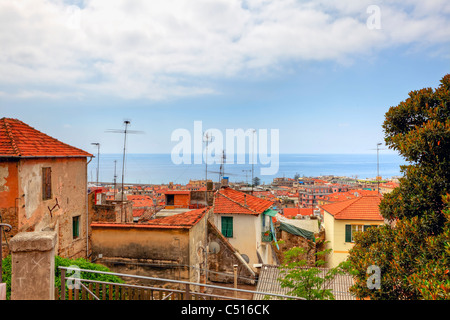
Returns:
point(43, 186)
point(245, 221)
point(343, 219)
point(297, 212)
point(163, 247)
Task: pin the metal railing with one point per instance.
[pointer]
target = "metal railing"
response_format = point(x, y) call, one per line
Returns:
point(76, 288)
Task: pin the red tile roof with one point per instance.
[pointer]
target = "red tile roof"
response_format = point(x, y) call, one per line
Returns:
point(177, 192)
point(293, 212)
point(360, 208)
point(228, 200)
point(184, 220)
point(17, 139)
point(140, 200)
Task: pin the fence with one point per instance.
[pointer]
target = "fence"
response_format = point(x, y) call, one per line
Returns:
point(75, 288)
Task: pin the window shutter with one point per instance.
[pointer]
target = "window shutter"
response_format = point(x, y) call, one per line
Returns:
point(348, 233)
point(46, 183)
point(227, 226)
point(76, 227)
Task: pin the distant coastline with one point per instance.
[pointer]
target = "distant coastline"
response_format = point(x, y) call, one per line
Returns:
point(159, 168)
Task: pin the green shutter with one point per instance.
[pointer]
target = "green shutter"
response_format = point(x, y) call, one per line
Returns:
point(348, 233)
point(227, 226)
point(76, 227)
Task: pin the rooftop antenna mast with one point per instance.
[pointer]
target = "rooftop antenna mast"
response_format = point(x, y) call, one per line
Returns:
point(207, 140)
point(222, 167)
point(115, 178)
point(253, 155)
point(125, 132)
point(378, 169)
point(98, 157)
point(378, 166)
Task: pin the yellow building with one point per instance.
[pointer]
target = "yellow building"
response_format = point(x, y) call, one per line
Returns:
point(342, 220)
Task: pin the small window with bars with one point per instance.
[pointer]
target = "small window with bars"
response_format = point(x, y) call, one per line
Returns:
point(46, 183)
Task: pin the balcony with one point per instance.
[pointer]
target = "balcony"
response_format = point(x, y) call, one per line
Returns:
point(266, 236)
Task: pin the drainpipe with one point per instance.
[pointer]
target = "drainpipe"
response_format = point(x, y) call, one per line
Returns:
point(87, 212)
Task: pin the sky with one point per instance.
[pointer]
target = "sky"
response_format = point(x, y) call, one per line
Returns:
point(323, 73)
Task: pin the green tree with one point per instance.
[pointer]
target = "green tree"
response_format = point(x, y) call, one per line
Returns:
point(64, 262)
point(307, 281)
point(412, 251)
point(256, 181)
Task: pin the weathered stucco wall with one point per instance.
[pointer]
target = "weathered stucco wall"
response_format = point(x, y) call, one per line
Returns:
point(23, 206)
point(151, 247)
point(197, 247)
point(9, 196)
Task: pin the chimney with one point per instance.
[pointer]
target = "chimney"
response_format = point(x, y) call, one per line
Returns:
point(225, 182)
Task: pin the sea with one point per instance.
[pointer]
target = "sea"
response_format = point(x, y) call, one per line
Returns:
point(161, 169)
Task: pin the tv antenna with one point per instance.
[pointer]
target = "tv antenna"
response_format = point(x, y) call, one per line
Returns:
point(98, 158)
point(125, 132)
point(378, 165)
point(207, 139)
point(115, 178)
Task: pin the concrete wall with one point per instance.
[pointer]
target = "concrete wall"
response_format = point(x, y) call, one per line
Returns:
point(150, 246)
point(23, 207)
point(33, 266)
point(197, 247)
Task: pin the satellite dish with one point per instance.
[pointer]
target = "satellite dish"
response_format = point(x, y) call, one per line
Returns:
point(214, 247)
point(245, 257)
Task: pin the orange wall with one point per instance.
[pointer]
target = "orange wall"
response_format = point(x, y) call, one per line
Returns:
point(182, 200)
point(9, 189)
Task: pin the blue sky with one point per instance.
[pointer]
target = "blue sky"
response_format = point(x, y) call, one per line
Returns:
point(314, 70)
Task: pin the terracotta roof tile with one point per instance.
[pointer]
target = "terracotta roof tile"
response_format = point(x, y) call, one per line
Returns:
point(185, 220)
point(360, 208)
point(293, 212)
point(17, 139)
point(228, 200)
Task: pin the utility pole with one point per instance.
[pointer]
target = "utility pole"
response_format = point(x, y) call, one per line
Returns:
point(115, 178)
point(378, 169)
point(125, 132)
point(207, 140)
point(246, 175)
point(253, 155)
point(98, 158)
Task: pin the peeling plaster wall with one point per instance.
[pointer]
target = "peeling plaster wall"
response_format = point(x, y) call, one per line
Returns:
point(69, 190)
point(8, 198)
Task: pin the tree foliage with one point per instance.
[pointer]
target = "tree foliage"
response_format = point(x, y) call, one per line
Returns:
point(309, 282)
point(64, 262)
point(413, 250)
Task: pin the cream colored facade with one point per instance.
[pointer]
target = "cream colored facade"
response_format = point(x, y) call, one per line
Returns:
point(335, 237)
point(246, 239)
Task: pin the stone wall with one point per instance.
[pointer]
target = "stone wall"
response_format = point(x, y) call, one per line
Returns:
point(33, 266)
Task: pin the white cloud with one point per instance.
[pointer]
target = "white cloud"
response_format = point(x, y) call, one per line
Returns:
point(159, 49)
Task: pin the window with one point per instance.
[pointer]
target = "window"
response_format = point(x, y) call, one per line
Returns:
point(76, 227)
point(46, 183)
point(227, 226)
point(351, 229)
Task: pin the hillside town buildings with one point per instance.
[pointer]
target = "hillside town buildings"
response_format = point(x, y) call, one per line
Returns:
point(198, 232)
